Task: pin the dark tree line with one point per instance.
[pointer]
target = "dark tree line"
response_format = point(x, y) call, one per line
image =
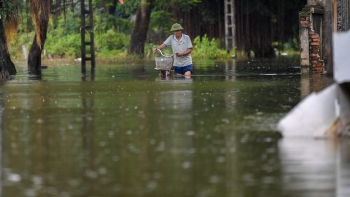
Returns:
point(258, 22)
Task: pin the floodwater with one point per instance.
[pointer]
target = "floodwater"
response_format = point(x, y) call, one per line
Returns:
point(124, 131)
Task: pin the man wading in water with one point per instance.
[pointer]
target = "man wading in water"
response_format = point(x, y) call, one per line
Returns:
point(182, 46)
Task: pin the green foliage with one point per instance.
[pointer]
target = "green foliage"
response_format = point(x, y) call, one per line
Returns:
point(112, 41)
point(181, 5)
point(112, 36)
point(69, 25)
point(161, 19)
point(206, 49)
point(291, 45)
point(185, 6)
point(128, 8)
point(104, 22)
point(7, 8)
point(67, 47)
point(63, 36)
point(108, 43)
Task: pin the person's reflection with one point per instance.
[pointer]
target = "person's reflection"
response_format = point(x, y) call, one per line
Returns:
point(175, 122)
point(92, 77)
point(174, 76)
point(188, 78)
point(178, 103)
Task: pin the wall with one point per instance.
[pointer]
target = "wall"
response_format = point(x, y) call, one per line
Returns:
point(311, 33)
point(316, 47)
point(328, 29)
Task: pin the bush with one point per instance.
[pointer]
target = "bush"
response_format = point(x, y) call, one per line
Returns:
point(63, 46)
point(111, 40)
point(206, 49)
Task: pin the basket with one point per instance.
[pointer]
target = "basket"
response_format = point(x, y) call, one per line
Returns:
point(163, 63)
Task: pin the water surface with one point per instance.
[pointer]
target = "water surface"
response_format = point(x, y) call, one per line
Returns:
point(124, 131)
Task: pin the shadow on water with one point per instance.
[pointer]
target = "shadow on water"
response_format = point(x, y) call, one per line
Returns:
point(269, 66)
point(128, 132)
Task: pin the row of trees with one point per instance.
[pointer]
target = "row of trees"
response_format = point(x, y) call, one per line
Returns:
point(259, 23)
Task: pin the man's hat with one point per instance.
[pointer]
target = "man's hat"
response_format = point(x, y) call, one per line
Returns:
point(176, 27)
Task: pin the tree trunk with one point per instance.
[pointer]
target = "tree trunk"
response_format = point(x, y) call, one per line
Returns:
point(34, 57)
point(7, 67)
point(139, 33)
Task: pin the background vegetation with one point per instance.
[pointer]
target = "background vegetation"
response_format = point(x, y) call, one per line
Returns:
point(114, 23)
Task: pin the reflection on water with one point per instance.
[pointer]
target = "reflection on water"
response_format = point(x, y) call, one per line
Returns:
point(128, 132)
point(309, 166)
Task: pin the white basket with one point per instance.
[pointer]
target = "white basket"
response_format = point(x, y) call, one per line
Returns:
point(163, 63)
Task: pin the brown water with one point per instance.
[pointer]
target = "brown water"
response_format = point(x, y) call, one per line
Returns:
point(127, 132)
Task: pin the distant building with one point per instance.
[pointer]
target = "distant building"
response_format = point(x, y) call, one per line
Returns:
point(318, 20)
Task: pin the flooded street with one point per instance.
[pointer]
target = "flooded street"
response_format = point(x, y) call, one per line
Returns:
point(127, 132)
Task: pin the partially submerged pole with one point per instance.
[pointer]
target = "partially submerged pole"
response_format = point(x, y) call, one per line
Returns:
point(87, 43)
point(230, 26)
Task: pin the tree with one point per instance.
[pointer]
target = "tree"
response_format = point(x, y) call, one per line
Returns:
point(8, 11)
point(41, 13)
point(139, 33)
point(7, 67)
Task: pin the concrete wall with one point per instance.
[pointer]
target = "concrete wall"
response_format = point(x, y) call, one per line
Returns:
point(304, 44)
point(328, 29)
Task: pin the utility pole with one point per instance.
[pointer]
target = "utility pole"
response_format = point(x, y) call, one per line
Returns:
point(230, 26)
point(87, 43)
